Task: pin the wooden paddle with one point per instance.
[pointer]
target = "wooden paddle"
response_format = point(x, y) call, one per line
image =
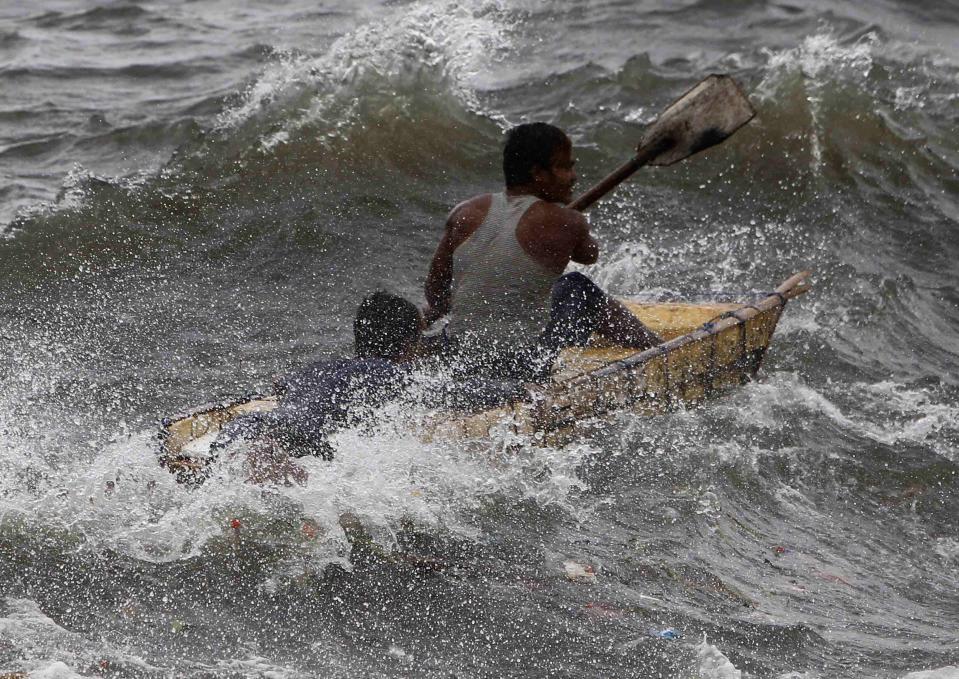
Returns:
point(704, 116)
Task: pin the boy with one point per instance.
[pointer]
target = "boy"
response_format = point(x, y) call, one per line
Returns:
point(329, 395)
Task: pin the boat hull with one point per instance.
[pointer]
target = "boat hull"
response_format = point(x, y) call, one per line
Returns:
point(685, 370)
point(709, 348)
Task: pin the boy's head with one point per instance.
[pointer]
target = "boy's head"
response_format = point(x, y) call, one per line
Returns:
point(386, 326)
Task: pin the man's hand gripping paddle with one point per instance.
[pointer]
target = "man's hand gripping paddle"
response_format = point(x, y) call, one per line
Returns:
point(704, 116)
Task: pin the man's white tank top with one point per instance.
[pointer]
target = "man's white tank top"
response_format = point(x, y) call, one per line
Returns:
point(501, 295)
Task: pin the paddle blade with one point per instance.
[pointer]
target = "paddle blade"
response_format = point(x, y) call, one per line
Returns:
point(703, 117)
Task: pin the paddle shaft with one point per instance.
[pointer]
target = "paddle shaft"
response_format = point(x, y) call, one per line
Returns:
point(619, 175)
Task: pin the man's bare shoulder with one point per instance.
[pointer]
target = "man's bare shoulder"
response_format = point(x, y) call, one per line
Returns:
point(553, 215)
point(470, 213)
point(553, 235)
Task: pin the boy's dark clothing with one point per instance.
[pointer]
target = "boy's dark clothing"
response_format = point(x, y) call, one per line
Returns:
point(329, 395)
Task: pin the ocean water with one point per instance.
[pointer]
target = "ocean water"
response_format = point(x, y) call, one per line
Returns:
point(196, 195)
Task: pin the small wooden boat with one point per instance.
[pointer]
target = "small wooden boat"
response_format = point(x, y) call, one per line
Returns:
point(708, 348)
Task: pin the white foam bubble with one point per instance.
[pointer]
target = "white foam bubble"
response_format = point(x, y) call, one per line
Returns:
point(910, 98)
point(794, 503)
point(947, 548)
point(398, 653)
point(629, 265)
point(624, 265)
point(75, 191)
point(803, 318)
point(55, 670)
point(255, 666)
point(822, 52)
point(950, 672)
point(713, 664)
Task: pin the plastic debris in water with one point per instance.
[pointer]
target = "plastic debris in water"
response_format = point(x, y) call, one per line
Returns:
point(603, 611)
point(128, 609)
point(576, 572)
point(235, 524)
point(830, 577)
point(670, 633)
point(311, 529)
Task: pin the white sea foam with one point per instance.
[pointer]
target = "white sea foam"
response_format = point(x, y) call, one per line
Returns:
point(625, 266)
point(910, 97)
point(799, 320)
point(734, 452)
point(73, 194)
point(913, 415)
point(119, 498)
point(888, 412)
point(55, 670)
point(947, 548)
point(398, 653)
point(458, 43)
point(819, 58)
point(822, 52)
point(950, 672)
point(45, 649)
point(255, 666)
point(794, 503)
point(767, 400)
point(75, 191)
point(112, 494)
point(713, 664)
point(629, 267)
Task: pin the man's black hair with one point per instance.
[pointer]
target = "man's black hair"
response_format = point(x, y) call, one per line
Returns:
point(384, 325)
point(527, 146)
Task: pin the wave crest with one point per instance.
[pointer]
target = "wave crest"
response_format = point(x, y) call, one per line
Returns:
point(428, 50)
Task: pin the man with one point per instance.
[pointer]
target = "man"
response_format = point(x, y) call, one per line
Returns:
point(329, 395)
point(498, 270)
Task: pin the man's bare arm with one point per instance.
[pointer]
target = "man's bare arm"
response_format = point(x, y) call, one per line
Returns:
point(554, 235)
point(460, 225)
point(586, 249)
point(439, 281)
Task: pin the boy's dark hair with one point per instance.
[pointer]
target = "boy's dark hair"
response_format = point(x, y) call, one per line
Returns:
point(384, 325)
point(527, 146)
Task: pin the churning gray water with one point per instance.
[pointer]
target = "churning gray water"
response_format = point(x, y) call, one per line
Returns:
point(195, 196)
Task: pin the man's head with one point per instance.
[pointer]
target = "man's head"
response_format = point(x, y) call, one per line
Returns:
point(539, 157)
point(386, 326)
